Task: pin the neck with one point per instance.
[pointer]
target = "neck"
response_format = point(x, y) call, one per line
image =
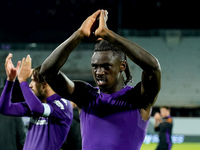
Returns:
point(48, 93)
point(113, 89)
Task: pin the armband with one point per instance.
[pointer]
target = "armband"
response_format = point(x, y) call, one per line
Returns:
point(47, 110)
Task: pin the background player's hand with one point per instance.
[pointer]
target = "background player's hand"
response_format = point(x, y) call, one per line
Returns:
point(11, 71)
point(157, 116)
point(89, 26)
point(100, 32)
point(25, 70)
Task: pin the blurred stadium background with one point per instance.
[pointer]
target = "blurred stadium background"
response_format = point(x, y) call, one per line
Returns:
point(169, 29)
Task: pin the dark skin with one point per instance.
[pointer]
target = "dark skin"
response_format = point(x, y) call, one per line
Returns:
point(107, 71)
point(106, 68)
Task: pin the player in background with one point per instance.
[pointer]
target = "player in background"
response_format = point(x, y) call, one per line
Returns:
point(164, 124)
point(51, 115)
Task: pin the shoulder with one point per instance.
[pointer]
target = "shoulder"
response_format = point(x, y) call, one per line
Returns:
point(169, 120)
point(134, 92)
point(61, 108)
point(136, 89)
point(62, 103)
point(84, 89)
point(82, 85)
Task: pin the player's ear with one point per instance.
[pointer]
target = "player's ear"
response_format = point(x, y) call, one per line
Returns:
point(44, 85)
point(123, 66)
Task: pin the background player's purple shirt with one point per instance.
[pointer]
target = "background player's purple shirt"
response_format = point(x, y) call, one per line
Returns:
point(44, 133)
point(109, 122)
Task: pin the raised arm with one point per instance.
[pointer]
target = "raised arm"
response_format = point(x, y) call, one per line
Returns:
point(11, 70)
point(157, 118)
point(151, 76)
point(6, 106)
point(31, 99)
point(53, 63)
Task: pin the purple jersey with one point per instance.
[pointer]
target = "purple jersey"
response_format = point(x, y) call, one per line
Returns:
point(50, 122)
point(111, 121)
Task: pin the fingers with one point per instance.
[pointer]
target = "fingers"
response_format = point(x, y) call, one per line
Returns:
point(18, 65)
point(103, 19)
point(92, 23)
point(29, 60)
point(105, 14)
point(26, 61)
point(100, 14)
point(102, 29)
point(10, 69)
point(25, 69)
point(8, 58)
point(23, 60)
point(96, 14)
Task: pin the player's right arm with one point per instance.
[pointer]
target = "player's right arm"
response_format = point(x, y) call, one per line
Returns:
point(50, 68)
point(6, 106)
point(157, 118)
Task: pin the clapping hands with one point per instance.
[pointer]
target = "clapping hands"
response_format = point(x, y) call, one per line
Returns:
point(25, 70)
point(11, 70)
point(95, 25)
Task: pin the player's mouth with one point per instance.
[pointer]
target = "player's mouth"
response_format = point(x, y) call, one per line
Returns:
point(101, 81)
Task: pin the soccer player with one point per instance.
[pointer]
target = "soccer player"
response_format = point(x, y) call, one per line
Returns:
point(164, 124)
point(114, 115)
point(51, 115)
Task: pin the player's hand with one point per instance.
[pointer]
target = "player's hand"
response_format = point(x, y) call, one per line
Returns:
point(100, 32)
point(157, 116)
point(89, 26)
point(25, 70)
point(11, 71)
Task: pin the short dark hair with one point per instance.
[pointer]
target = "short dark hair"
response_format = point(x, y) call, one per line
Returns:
point(166, 107)
point(104, 45)
point(37, 76)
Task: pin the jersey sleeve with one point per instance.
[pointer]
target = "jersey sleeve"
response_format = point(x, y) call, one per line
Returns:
point(9, 108)
point(83, 94)
point(135, 99)
point(35, 105)
point(62, 110)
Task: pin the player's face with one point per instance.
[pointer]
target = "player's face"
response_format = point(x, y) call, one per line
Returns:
point(37, 88)
point(164, 112)
point(106, 69)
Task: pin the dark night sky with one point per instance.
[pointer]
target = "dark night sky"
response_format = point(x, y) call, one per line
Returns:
point(54, 20)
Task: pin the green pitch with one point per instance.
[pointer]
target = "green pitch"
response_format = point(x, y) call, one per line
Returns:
point(183, 146)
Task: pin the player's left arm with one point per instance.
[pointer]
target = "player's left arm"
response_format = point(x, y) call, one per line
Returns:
point(34, 104)
point(157, 119)
point(151, 76)
point(150, 87)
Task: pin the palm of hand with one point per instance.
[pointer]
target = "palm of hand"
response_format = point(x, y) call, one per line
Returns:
point(11, 71)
